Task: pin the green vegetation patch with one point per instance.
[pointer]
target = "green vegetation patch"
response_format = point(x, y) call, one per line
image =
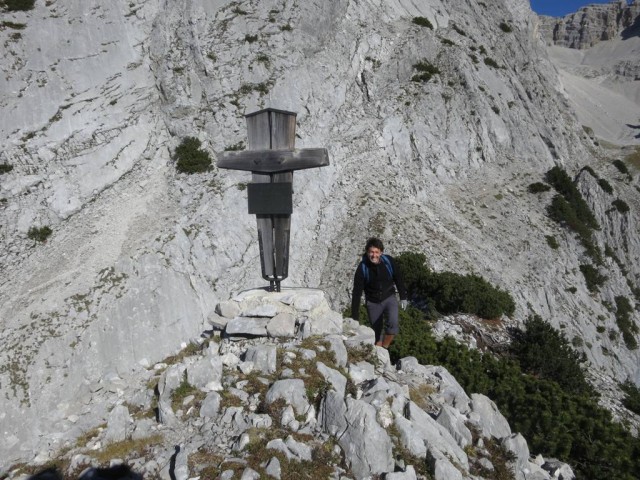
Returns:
point(625, 323)
point(190, 158)
point(592, 277)
point(559, 420)
point(423, 22)
point(5, 168)
point(426, 71)
point(13, 25)
point(39, 234)
point(505, 27)
point(17, 5)
point(491, 62)
point(538, 187)
point(552, 242)
point(620, 205)
point(606, 186)
point(631, 399)
point(569, 209)
point(448, 292)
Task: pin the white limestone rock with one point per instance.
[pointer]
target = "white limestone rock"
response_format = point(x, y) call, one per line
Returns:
point(486, 416)
point(206, 374)
point(263, 357)
point(282, 325)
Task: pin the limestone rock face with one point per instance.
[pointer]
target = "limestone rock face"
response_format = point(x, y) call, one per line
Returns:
point(592, 24)
point(96, 97)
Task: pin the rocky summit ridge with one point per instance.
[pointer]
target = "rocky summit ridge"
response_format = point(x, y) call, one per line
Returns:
point(100, 94)
point(592, 24)
point(283, 384)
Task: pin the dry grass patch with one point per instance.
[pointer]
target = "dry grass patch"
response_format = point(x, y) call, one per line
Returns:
point(421, 395)
point(126, 449)
point(634, 159)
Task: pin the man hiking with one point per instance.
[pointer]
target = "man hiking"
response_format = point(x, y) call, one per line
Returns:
point(378, 276)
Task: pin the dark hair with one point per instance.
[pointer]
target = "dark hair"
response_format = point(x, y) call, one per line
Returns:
point(374, 242)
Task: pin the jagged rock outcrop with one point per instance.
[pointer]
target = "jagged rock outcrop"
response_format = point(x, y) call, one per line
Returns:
point(592, 24)
point(100, 94)
point(402, 422)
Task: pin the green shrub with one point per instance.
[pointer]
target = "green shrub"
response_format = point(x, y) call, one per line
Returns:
point(491, 62)
point(544, 352)
point(505, 27)
point(631, 399)
point(560, 180)
point(426, 71)
point(606, 186)
point(587, 168)
point(552, 242)
point(538, 187)
point(473, 58)
point(5, 168)
point(423, 22)
point(17, 5)
point(190, 158)
point(620, 205)
point(569, 209)
point(39, 234)
point(621, 166)
point(592, 277)
point(556, 421)
point(459, 31)
point(625, 323)
point(250, 38)
point(286, 28)
point(448, 292)
point(446, 41)
point(13, 25)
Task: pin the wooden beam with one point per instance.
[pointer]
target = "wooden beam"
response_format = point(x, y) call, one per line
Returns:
point(270, 161)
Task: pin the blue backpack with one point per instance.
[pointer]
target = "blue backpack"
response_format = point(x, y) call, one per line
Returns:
point(385, 260)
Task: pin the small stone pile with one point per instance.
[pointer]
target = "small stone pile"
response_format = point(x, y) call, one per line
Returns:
point(285, 386)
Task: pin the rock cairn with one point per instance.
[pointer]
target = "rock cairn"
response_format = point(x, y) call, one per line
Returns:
point(282, 386)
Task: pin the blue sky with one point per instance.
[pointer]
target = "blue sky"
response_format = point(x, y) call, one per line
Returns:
point(559, 8)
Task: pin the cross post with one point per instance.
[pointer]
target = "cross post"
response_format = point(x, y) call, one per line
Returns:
point(271, 157)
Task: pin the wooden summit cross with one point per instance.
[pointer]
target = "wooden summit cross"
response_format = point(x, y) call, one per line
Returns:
point(272, 158)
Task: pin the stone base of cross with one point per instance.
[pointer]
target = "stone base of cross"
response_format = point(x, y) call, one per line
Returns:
point(272, 158)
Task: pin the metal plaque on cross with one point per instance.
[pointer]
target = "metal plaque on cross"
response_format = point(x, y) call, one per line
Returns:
point(271, 157)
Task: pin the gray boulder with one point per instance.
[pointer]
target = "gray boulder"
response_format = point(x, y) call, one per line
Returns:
point(206, 373)
point(292, 391)
point(486, 416)
point(263, 358)
point(454, 422)
point(336, 345)
point(118, 424)
point(334, 377)
point(247, 327)
point(366, 445)
point(282, 325)
point(210, 405)
point(228, 309)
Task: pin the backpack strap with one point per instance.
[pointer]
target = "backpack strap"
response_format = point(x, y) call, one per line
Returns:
point(365, 269)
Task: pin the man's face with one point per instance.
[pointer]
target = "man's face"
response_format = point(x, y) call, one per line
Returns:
point(374, 254)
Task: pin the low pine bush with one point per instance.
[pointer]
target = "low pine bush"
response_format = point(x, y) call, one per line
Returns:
point(190, 158)
point(538, 187)
point(592, 277)
point(448, 292)
point(426, 71)
point(39, 234)
point(560, 420)
point(606, 186)
point(631, 399)
point(423, 22)
point(17, 5)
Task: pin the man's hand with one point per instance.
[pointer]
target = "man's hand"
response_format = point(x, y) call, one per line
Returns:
point(403, 304)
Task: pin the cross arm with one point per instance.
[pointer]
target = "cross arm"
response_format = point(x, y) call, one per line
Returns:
point(270, 161)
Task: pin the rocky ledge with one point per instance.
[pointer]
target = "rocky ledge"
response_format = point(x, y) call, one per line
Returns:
point(283, 386)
